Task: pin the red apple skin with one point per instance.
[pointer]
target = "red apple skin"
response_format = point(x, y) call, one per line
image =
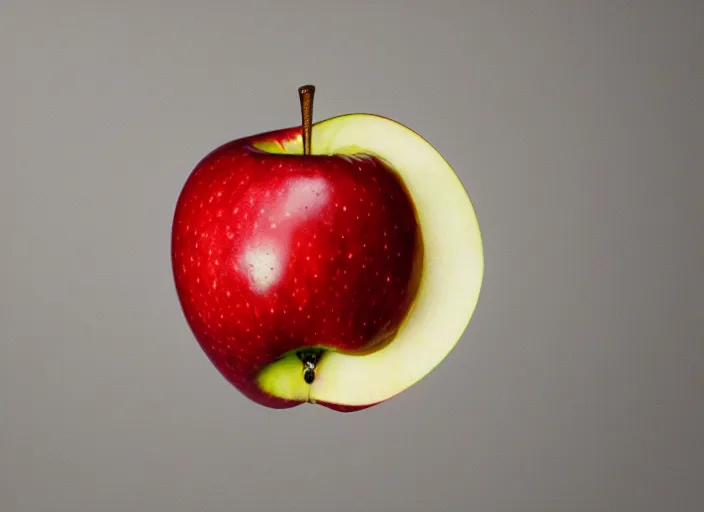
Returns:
point(273, 253)
point(346, 408)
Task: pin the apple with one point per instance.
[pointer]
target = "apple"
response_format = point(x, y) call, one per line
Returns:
point(335, 263)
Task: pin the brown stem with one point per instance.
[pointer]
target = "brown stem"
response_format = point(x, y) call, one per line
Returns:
point(306, 94)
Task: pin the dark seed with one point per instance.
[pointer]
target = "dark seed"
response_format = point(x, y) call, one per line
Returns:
point(309, 375)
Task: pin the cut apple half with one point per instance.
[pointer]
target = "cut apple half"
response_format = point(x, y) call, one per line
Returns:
point(450, 278)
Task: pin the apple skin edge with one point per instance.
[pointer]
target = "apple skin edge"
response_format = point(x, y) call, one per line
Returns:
point(272, 253)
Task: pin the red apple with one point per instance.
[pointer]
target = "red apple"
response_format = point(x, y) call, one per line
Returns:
point(340, 277)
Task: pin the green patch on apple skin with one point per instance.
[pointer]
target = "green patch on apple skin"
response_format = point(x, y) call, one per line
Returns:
point(294, 146)
point(286, 147)
point(450, 280)
point(284, 377)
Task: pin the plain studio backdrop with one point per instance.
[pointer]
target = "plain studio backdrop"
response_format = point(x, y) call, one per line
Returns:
point(576, 128)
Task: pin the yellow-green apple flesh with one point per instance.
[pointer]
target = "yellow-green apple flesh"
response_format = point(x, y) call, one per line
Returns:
point(342, 277)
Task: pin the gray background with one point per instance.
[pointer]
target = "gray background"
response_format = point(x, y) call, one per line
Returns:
point(576, 128)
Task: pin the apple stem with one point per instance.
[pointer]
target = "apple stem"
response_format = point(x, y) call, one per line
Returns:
point(306, 94)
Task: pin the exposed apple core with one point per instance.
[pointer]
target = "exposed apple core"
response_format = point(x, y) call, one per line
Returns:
point(449, 282)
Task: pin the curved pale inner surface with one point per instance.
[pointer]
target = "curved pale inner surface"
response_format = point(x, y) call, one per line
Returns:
point(451, 277)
